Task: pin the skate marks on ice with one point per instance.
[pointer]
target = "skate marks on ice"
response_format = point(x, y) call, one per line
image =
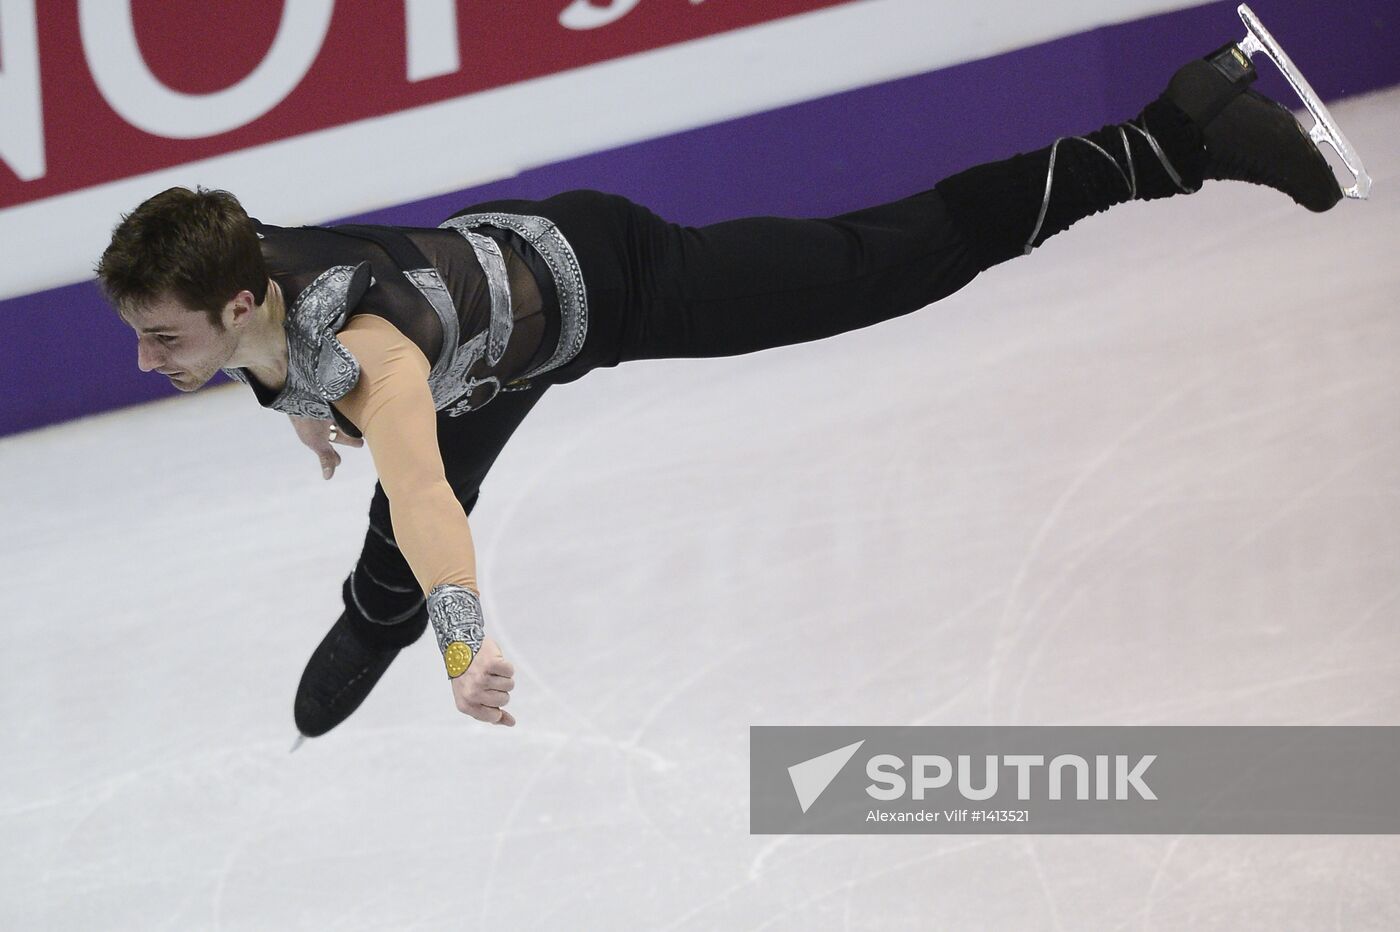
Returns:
point(1146, 475)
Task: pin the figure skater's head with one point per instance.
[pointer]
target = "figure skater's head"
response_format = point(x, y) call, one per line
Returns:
point(184, 270)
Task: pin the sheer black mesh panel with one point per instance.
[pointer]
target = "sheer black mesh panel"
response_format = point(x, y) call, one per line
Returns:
point(447, 250)
point(296, 256)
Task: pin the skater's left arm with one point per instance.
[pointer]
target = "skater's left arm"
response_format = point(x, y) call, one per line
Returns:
point(392, 405)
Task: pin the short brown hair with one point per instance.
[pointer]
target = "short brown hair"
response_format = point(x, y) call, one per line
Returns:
point(197, 246)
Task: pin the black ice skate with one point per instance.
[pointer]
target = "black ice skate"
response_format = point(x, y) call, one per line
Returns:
point(1207, 124)
point(348, 663)
point(338, 677)
point(1249, 137)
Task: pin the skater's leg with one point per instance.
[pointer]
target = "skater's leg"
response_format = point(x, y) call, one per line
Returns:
point(661, 290)
point(1007, 208)
point(1208, 124)
point(657, 289)
point(751, 284)
point(756, 283)
point(384, 609)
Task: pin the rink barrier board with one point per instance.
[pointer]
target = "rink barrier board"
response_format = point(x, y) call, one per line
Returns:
point(64, 354)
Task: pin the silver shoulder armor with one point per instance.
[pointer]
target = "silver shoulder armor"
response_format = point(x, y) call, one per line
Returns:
point(319, 369)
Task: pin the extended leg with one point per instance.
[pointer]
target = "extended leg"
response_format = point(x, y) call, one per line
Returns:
point(1208, 124)
point(747, 285)
point(660, 290)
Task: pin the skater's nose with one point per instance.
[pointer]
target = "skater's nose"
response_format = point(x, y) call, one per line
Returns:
point(149, 354)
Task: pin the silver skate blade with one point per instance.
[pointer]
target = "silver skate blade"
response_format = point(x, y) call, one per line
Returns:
point(301, 739)
point(1258, 39)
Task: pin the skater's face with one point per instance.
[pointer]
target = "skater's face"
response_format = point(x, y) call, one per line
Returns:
point(185, 346)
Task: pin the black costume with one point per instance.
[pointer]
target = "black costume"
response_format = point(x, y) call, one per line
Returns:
point(653, 290)
point(627, 285)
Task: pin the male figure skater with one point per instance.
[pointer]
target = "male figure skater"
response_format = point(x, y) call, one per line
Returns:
point(433, 344)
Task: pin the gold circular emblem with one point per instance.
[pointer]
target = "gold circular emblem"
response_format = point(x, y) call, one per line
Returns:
point(458, 657)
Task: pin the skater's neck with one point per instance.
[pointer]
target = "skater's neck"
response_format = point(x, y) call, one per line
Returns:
point(263, 348)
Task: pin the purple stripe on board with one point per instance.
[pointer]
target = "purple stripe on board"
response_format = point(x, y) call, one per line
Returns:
point(63, 354)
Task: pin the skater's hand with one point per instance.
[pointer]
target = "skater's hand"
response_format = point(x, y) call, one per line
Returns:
point(319, 435)
point(484, 689)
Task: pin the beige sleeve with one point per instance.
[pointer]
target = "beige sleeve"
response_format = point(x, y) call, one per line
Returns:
point(393, 407)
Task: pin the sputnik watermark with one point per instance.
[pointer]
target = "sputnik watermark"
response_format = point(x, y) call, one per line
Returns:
point(1075, 780)
point(934, 772)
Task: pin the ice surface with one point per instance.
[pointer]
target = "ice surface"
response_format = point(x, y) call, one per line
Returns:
point(1149, 475)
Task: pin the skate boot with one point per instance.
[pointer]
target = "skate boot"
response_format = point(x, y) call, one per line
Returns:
point(349, 661)
point(1207, 124)
point(1249, 137)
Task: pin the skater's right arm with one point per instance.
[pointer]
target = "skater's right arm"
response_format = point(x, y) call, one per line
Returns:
point(320, 437)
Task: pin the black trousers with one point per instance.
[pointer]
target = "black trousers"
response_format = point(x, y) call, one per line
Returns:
point(659, 290)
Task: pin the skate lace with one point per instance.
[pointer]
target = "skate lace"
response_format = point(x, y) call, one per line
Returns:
point(1129, 175)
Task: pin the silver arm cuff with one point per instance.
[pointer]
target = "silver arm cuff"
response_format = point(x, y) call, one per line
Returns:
point(455, 613)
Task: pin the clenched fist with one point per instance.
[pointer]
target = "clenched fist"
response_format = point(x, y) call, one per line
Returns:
point(484, 689)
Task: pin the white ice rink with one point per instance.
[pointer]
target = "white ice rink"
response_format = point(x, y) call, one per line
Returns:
point(1150, 475)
